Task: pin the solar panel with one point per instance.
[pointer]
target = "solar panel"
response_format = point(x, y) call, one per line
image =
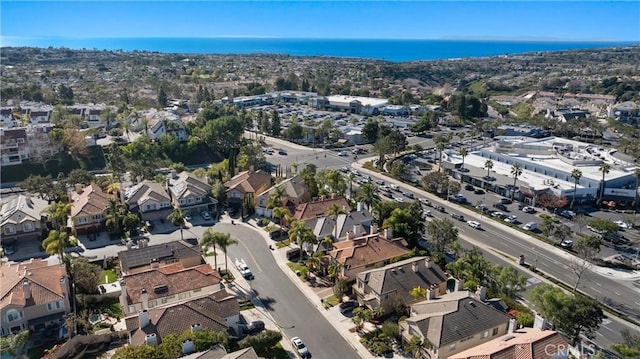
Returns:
point(133, 258)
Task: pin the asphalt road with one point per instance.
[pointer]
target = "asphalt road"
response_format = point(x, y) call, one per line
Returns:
point(291, 310)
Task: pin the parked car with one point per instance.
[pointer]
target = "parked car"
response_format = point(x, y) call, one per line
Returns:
point(425, 201)
point(282, 152)
point(348, 306)
point(474, 224)
point(395, 187)
point(624, 225)
point(344, 169)
point(478, 191)
point(469, 187)
point(399, 199)
point(343, 154)
point(302, 349)
point(567, 243)
point(206, 215)
point(528, 209)
point(567, 214)
point(511, 219)
point(500, 206)
point(253, 327)
point(428, 213)
point(441, 209)
point(8, 250)
point(408, 194)
point(457, 216)
point(531, 226)
point(379, 182)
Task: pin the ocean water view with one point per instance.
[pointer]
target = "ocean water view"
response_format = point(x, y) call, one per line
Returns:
point(389, 50)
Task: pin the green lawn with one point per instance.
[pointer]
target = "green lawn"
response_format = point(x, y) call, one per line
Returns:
point(108, 276)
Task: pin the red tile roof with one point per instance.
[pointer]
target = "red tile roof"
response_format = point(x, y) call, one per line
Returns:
point(249, 182)
point(369, 249)
point(44, 281)
point(91, 201)
point(320, 208)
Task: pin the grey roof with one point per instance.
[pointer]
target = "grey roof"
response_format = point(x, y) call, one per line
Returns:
point(400, 277)
point(293, 187)
point(143, 190)
point(137, 257)
point(454, 316)
point(187, 183)
point(29, 206)
point(218, 352)
point(326, 226)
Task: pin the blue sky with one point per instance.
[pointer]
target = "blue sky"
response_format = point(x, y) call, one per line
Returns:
point(574, 20)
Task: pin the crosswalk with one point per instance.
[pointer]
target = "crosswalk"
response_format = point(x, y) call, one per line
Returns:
point(533, 281)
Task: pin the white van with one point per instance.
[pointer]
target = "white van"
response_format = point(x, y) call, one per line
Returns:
point(531, 226)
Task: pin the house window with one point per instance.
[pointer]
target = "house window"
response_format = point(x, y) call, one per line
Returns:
point(484, 334)
point(452, 347)
point(13, 314)
point(181, 200)
point(20, 140)
point(163, 300)
point(53, 306)
point(82, 220)
point(27, 226)
point(152, 303)
point(198, 199)
point(132, 308)
point(495, 332)
point(190, 200)
point(8, 229)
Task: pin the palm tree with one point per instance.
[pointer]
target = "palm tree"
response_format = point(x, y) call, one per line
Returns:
point(488, 164)
point(334, 270)
point(224, 241)
point(604, 168)
point(209, 240)
point(516, 171)
point(301, 234)
point(58, 213)
point(368, 194)
point(177, 217)
point(351, 177)
point(417, 346)
point(275, 198)
point(114, 188)
point(55, 243)
point(463, 153)
point(280, 213)
point(71, 322)
point(440, 148)
point(14, 343)
point(334, 211)
point(576, 174)
point(114, 213)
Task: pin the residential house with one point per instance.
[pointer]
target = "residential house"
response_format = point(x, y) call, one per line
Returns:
point(38, 116)
point(87, 208)
point(219, 311)
point(93, 116)
point(149, 199)
point(136, 260)
point(161, 286)
point(320, 208)
point(160, 123)
point(392, 284)
point(295, 192)
point(15, 147)
point(358, 254)
point(357, 223)
point(524, 343)
point(453, 323)
point(35, 296)
point(22, 219)
point(6, 118)
point(190, 193)
point(218, 352)
point(41, 146)
point(248, 183)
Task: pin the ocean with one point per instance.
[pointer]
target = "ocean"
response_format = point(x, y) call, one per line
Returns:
point(389, 50)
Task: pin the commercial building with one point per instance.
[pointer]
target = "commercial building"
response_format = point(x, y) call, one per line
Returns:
point(367, 106)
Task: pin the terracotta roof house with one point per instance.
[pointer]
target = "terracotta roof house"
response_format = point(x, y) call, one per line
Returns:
point(525, 343)
point(136, 260)
point(295, 192)
point(245, 183)
point(453, 323)
point(357, 254)
point(190, 193)
point(88, 206)
point(34, 295)
point(218, 352)
point(149, 199)
point(319, 208)
point(21, 218)
point(166, 285)
point(382, 287)
point(219, 311)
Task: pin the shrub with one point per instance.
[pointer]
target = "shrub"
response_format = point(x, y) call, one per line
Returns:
point(525, 319)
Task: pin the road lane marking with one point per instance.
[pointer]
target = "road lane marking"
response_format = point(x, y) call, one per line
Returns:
point(596, 290)
point(617, 293)
point(598, 284)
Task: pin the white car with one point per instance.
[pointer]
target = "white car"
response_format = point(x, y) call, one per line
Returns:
point(528, 209)
point(300, 347)
point(343, 154)
point(395, 187)
point(206, 215)
point(355, 172)
point(428, 213)
point(511, 219)
point(623, 225)
point(497, 214)
point(399, 199)
point(474, 224)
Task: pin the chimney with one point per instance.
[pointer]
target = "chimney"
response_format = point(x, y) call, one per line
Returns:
point(26, 289)
point(373, 229)
point(539, 323)
point(431, 294)
point(129, 245)
point(252, 169)
point(512, 325)
point(78, 188)
point(145, 298)
point(195, 327)
point(333, 196)
point(188, 347)
point(388, 233)
point(355, 230)
point(360, 207)
point(151, 339)
point(349, 236)
point(428, 263)
point(174, 174)
point(155, 264)
point(459, 285)
point(143, 318)
point(414, 267)
point(481, 292)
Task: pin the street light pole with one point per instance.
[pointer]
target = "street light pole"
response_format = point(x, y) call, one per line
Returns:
point(535, 261)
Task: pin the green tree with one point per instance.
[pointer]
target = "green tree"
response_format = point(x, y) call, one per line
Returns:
point(55, 243)
point(630, 346)
point(209, 240)
point(516, 171)
point(416, 346)
point(360, 316)
point(463, 153)
point(404, 224)
point(370, 131)
point(58, 213)
point(275, 198)
point(162, 98)
point(435, 182)
point(440, 147)
point(418, 292)
point(308, 174)
point(264, 343)
point(224, 241)
point(14, 343)
point(130, 222)
point(275, 123)
point(368, 194)
point(86, 276)
point(576, 174)
point(114, 214)
point(177, 218)
point(510, 281)
point(488, 164)
point(604, 225)
point(443, 233)
point(218, 191)
point(586, 249)
point(300, 234)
